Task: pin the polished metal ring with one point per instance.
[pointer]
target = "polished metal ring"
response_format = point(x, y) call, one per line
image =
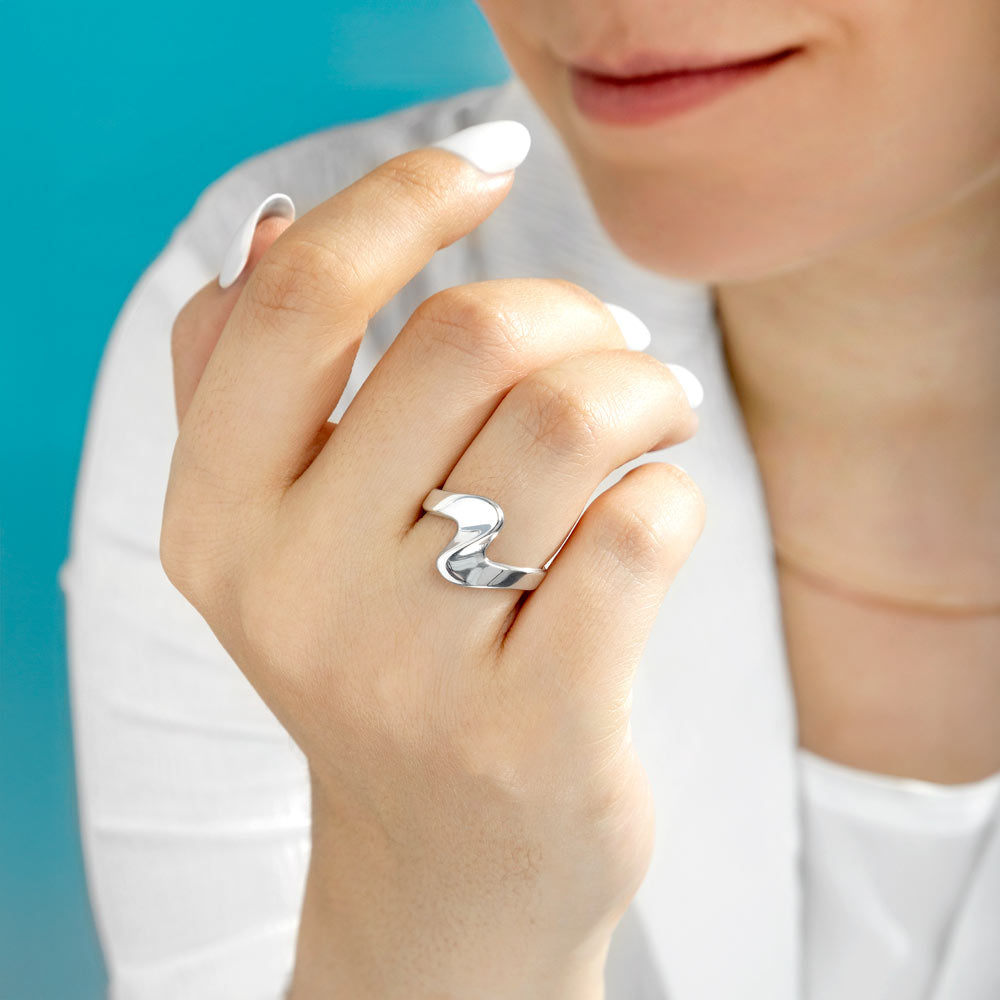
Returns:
point(463, 560)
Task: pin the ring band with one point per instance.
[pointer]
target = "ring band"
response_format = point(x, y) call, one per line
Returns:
point(463, 560)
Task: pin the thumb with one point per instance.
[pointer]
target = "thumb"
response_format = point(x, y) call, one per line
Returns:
point(199, 323)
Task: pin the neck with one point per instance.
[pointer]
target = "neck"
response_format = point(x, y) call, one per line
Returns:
point(870, 385)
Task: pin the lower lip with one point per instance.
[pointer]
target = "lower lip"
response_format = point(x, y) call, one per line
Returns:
point(642, 100)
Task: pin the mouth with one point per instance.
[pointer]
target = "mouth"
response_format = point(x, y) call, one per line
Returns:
point(647, 89)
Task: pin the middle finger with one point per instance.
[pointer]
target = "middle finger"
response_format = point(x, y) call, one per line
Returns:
point(438, 383)
point(551, 442)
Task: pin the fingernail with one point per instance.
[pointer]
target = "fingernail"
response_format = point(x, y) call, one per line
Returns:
point(635, 332)
point(238, 252)
point(493, 147)
point(689, 383)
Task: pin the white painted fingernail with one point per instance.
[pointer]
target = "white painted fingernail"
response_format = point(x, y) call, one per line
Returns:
point(635, 332)
point(493, 147)
point(238, 252)
point(689, 383)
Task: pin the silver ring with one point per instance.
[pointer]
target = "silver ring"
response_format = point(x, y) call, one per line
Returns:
point(463, 560)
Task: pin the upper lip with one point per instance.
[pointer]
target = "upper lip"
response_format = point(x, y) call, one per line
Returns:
point(640, 64)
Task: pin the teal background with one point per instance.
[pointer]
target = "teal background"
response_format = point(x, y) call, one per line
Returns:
point(115, 116)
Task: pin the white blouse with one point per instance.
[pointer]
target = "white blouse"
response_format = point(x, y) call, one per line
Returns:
point(886, 865)
point(775, 875)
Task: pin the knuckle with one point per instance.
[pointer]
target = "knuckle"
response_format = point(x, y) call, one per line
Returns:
point(665, 517)
point(479, 329)
point(634, 539)
point(559, 416)
point(302, 277)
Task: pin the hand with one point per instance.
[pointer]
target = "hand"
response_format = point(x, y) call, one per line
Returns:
point(480, 819)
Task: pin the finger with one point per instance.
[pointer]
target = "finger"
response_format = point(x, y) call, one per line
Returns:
point(582, 631)
point(200, 321)
point(439, 381)
point(285, 354)
point(552, 441)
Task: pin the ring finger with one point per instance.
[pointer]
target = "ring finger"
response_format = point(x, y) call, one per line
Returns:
point(556, 435)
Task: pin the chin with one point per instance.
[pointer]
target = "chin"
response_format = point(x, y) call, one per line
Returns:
point(691, 252)
point(701, 238)
point(729, 210)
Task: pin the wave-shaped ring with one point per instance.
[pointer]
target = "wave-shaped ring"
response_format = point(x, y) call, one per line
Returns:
point(463, 560)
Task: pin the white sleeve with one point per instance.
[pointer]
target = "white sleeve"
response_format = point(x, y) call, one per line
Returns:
point(193, 800)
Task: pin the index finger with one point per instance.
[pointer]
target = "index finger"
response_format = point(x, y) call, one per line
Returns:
point(285, 354)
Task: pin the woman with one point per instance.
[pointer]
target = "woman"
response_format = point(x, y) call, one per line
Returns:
point(812, 231)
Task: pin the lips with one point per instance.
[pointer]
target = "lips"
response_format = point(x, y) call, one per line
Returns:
point(646, 87)
point(640, 64)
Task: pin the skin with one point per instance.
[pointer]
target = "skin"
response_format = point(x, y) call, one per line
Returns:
point(488, 760)
point(845, 211)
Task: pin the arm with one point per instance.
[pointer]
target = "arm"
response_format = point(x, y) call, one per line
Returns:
point(193, 801)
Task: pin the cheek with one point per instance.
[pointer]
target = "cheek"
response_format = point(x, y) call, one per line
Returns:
point(520, 25)
point(893, 110)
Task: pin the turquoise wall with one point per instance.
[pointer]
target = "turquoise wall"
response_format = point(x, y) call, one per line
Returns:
point(114, 117)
